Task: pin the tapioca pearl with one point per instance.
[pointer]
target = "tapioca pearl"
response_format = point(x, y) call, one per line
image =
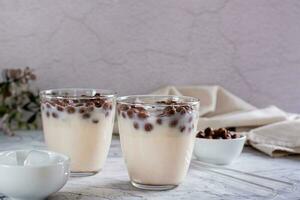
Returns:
point(124, 115)
point(54, 115)
point(71, 109)
point(48, 114)
point(142, 115)
point(148, 127)
point(135, 125)
point(82, 110)
point(110, 107)
point(169, 111)
point(130, 113)
point(182, 128)
point(159, 121)
point(95, 121)
point(98, 105)
point(173, 123)
point(190, 119)
point(86, 116)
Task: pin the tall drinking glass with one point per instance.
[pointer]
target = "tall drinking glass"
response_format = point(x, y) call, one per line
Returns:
point(79, 123)
point(157, 137)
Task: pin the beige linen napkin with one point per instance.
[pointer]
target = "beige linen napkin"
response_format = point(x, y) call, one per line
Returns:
point(269, 130)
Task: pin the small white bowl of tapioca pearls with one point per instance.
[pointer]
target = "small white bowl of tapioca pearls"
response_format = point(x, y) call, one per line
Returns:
point(218, 146)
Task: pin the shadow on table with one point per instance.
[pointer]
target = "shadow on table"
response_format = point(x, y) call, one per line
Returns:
point(112, 190)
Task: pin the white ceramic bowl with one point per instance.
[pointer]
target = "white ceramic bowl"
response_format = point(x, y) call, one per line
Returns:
point(32, 174)
point(218, 151)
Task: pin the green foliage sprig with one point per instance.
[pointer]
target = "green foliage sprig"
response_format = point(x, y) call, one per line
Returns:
point(19, 104)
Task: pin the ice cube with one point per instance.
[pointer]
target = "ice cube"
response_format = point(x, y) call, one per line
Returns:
point(8, 158)
point(37, 158)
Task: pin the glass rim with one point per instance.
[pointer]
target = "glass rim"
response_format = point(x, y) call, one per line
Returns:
point(186, 99)
point(103, 92)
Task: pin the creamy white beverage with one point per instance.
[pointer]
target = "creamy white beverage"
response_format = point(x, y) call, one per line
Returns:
point(157, 141)
point(80, 127)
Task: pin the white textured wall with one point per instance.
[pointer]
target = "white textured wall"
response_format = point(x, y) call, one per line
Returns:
point(251, 47)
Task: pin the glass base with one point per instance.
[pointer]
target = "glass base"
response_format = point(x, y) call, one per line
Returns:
point(153, 187)
point(83, 174)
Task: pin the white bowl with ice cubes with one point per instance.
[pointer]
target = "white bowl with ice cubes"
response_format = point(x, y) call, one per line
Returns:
point(32, 174)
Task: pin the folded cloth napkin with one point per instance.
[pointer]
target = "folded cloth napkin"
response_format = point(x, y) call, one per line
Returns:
point(269, 130)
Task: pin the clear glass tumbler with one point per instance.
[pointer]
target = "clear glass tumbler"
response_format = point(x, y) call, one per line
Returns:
point(157, 137)
point(79, 123)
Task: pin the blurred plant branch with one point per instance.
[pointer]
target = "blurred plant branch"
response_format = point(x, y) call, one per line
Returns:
point(19, 104)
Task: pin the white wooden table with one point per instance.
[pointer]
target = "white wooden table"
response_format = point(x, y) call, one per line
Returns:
point(113, 181)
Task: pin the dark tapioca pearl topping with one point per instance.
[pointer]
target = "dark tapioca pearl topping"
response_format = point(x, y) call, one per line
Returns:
point(106, 114)
point(82, 110)
point(55, 115)
point(136, 125)
point(142, 115)
point(182, 128)
point(130, 113)
point(98, 105)
point(71, 109)
point(169, 111)
point(200, 134)
point(123, 115)
point(221, 133)
point(173, 123)
point(48, 114)
point(97, 95)
point(181, 110)
point(148, 127)
point(110, 107)
point(208, 131)
point(79, 104)
point(59, 108)
point(95, 121)
point(159, 121)
point(190, 119)
point(86, 116)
